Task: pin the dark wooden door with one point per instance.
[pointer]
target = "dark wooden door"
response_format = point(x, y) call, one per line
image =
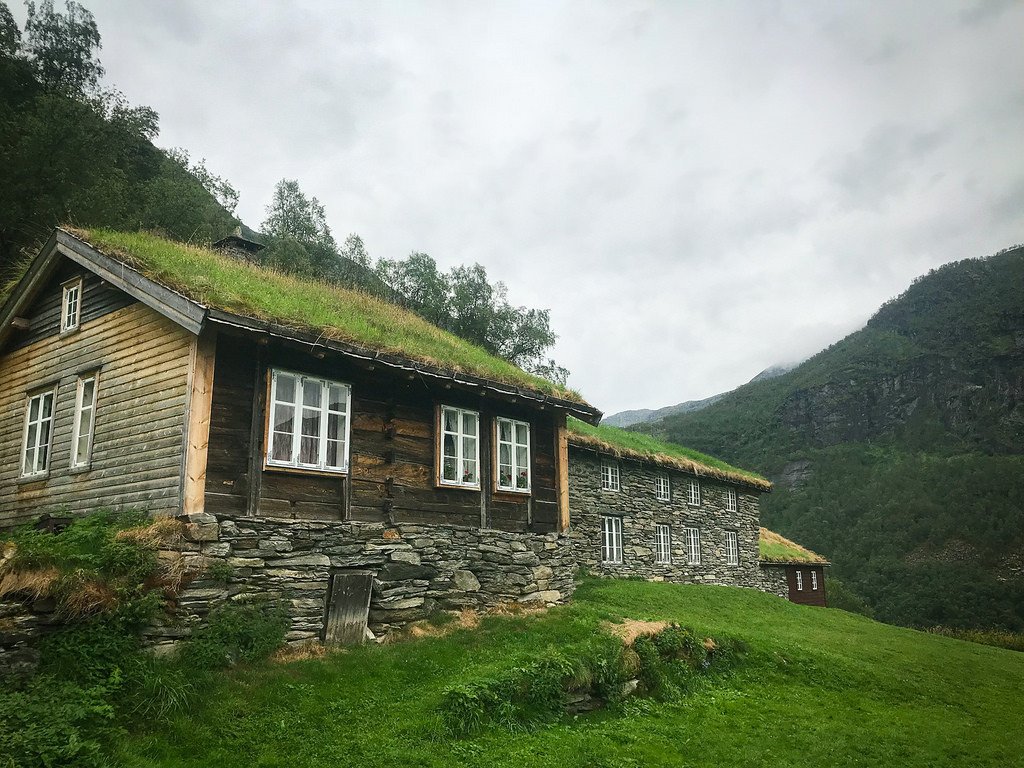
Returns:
point(348, 606)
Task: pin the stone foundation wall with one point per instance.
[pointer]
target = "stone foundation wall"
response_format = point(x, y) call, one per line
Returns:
point(637, 504)
point(417, 569)
point(22, 625)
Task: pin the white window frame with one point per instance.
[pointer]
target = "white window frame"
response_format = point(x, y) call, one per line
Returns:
point(799, 580)
point(325, 414)
point(610, 479)
point(693, 493)
point(460, 458)
point(71, 305)
point(662, 544)
point(664, 487)
point(611, 539)
point(814, 580)
point(692, 546)
point(513, 445)
point(84, 459)
point(731, 500)
point(732, 548)
point(41, 396)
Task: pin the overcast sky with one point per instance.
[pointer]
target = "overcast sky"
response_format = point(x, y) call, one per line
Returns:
point(696, 190)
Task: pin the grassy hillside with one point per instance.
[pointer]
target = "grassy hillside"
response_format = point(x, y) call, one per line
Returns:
point(897, 452)
point(816, 687)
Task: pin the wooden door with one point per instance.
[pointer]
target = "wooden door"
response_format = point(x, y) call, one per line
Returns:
point(348, 606)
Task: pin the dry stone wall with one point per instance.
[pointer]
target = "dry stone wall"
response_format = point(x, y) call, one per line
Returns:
point(417, 569)
point(638, 507)
point(773, 579)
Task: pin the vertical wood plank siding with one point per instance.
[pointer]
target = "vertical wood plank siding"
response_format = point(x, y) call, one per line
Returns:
point(806, 596)
point(143, 361)
point(392, 472)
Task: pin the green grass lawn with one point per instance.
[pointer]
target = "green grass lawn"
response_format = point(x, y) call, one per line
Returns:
point(817, 688)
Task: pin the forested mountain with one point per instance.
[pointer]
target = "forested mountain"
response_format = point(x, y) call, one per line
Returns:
point(899, 451)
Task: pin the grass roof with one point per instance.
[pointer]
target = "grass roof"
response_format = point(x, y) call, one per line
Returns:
point(341, 314)
point(635, 445)
point(778, 549)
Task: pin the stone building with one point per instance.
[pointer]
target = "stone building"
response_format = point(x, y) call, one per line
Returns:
point(649, 510)
point(791, 571)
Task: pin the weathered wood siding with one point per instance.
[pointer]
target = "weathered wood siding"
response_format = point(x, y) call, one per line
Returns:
point(806, 596)
point(392, 464)
point(143, 362)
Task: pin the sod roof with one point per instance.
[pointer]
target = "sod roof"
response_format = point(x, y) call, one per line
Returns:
point(634, 445)
point(778, 549)
point(330, 312)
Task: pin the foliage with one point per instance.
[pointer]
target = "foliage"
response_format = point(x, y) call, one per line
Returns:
point(909, 431)
point(1011, 641)
point(236, 633)
point(62, 47)
point(330, 310)
point(814, 687)
point(840, 596)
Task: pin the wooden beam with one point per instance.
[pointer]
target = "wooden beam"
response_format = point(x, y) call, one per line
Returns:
point(562, 471)
point(204, 350)
point(21, 323)
point(257, 428)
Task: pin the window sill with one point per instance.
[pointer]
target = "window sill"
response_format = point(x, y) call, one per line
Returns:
point(29, 479)
point(612, 490)
point(523, 493)
point(69, 332)
point(81, 469)
point(456, 487)
point(304, 471)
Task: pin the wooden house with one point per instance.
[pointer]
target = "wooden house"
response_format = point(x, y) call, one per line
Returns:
point(792, 571)
point(291, 423)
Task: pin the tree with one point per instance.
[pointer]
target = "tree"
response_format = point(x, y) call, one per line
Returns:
point(293, 215)
point(10, 35)
point(62, 47)
point(354, 250)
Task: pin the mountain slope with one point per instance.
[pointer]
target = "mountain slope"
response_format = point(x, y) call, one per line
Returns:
point(898, 452)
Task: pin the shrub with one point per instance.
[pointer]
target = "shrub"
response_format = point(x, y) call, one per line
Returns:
point(234, 633)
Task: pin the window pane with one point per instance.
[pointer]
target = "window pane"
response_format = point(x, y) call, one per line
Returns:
point(505, 454)
point(311, 391)
point(336, 398)
point(282, 450)
point(449, 446)
point(451, 420)
point(88, 388)
point(285, 388)
point(334, 425)
point(450, 471)
point(335, 453)
point(522, 434)
point(30, 439)
point(522, 458)
point(468, 471)
point(505, 431)
point(82, 449)
point(469, 423)
point(47, 405)
point(33, 409)
point(469, 448)
point(309, 450)
point(523, 480)
point(284, 418)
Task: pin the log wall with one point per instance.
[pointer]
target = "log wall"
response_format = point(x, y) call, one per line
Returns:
point(393, 450)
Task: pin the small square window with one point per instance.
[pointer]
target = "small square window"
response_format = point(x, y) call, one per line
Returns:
point(663, 543)
point(309, 423)
point(609, 476)
point(460, 447)
point(693, 546)
point(732, 548)
point(730, 499)
point(611, 539)
point(694, 495)
point(800, 581)
point(513, 440)
point(664, 488)
point(71, 306)
point(814, 581)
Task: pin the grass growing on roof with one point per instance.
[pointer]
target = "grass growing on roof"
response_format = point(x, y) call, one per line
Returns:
point(338, 313)
point(637, 445)
point(778, 549)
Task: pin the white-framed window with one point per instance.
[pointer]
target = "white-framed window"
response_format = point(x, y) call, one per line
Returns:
point(513, 455)
point(693, 497)
point(664, 487)
point(693, 546)
point(663, 543)
point(71, 305)
point(732, 548)
point(730, 500)
point(460, 447)
point(609, 476)
point(800, 580)
point(611, 539)
point(309, 422)
point(38, 435)
point(85, 420)
point(814, 581)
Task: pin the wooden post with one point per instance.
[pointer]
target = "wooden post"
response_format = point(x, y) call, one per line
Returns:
point(257, 427)
point(204, 351)
point(562, 471)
